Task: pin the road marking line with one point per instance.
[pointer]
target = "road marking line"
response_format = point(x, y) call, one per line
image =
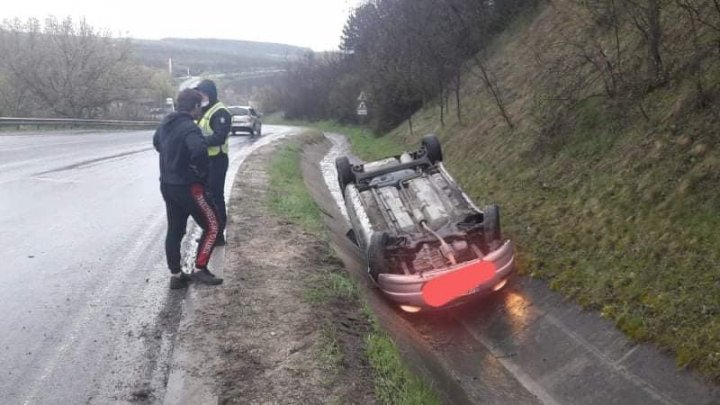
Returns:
point(66, 181)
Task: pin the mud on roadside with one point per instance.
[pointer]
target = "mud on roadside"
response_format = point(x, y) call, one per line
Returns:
point(264, 339)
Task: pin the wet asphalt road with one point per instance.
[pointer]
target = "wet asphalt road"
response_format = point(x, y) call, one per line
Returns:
point(87, 315)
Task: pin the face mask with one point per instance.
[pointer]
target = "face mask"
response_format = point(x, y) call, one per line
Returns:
point(205, 102)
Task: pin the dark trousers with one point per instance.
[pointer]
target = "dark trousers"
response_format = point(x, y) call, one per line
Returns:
point(216, 184)
point(182, 201)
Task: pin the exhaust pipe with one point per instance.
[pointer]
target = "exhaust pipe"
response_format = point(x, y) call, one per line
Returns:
point(445, 249)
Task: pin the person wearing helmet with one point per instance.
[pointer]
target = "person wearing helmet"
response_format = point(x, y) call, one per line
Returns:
point(215, 124)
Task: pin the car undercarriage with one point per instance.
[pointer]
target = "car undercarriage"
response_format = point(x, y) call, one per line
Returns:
point(414, 223)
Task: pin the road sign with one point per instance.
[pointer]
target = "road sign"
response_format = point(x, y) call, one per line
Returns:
point(362, 109)
point(362, 97)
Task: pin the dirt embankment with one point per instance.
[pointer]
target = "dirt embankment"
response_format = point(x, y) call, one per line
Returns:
point(268, 342)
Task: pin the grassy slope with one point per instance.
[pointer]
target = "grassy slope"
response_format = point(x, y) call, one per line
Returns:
point(621, 216)
point(394, 383)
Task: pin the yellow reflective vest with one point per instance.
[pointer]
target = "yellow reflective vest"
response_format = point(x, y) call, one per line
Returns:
point(204, 125)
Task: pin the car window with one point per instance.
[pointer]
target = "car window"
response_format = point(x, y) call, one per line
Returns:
point(238, 111)
point(252, 111)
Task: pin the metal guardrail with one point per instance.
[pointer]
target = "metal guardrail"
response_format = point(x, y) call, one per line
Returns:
point(73, 123)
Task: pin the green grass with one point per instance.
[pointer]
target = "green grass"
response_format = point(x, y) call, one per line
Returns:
point(288, 196)
point(331, 284)
point(365, 144)
point(592, 134)
point(331, 353)
point(394, 382)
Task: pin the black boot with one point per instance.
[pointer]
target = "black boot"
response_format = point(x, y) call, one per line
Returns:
point(204, 276)
point(178, 282)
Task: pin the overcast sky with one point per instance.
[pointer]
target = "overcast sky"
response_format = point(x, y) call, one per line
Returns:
point(315, 24)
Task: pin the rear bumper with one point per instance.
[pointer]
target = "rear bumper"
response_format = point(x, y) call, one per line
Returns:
point(408, 289)
point(241, 127)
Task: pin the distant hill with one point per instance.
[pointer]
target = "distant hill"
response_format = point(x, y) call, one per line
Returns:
point(213, 55)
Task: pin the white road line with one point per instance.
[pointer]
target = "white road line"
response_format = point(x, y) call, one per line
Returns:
point(48, 179)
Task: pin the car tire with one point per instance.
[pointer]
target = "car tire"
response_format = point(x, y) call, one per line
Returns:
point(432, 147)
point(259, 131)
point(491, 224)
point(344, 172)
point(252, 131)
point(376, 254)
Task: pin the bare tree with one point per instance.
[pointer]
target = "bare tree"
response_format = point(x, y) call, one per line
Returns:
point(645, 15)
point(14, 97)
point(480, 43)
point(706, 13)
point(405, 54)
point(73, 69)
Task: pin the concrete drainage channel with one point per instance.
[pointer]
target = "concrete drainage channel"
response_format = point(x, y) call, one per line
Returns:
point(524, 345)
point(340, 147)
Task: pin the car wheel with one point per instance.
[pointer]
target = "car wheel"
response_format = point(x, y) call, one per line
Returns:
point(259, 131)
point(491, 224)
point(376, 254)
point(344, 172)
point(433, 151)
point(252, 131)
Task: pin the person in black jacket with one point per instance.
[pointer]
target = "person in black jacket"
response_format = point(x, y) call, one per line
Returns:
point(184, 166)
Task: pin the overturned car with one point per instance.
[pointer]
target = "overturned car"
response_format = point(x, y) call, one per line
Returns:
point(427, 245)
